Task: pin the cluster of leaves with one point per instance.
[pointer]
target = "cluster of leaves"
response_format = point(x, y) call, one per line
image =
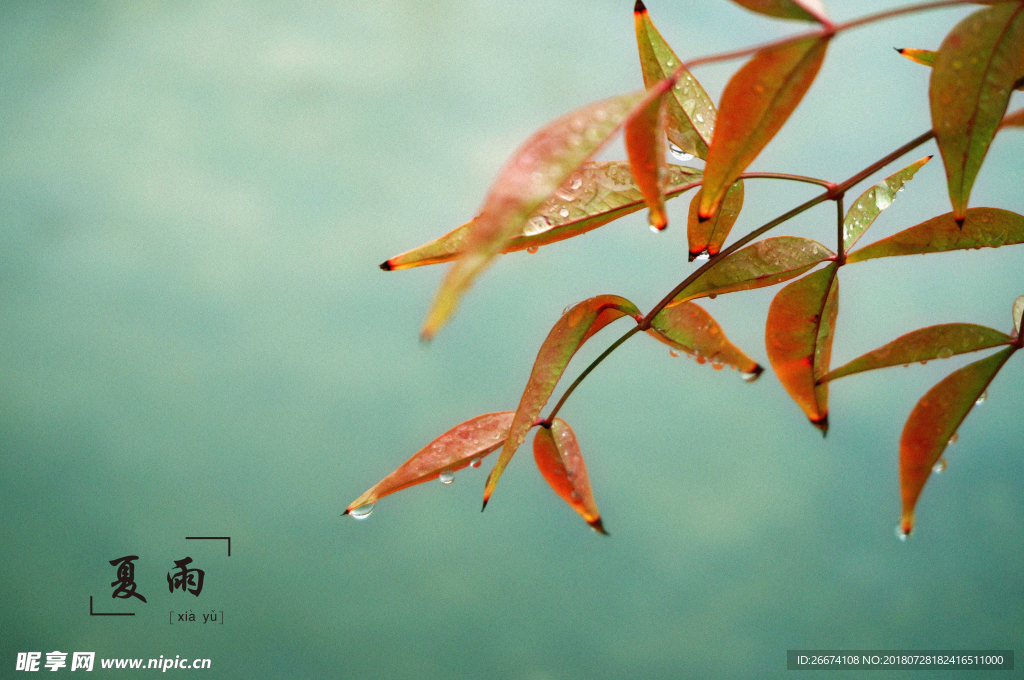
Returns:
point(550, 190)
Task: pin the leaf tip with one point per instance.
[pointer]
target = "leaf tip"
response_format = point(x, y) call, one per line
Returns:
point(386, 265)
point(906, 524)
point(345, 513)
point(639, 7)
point(754, 374)
point(959, 221)
point(822, 424)
point(598, 526)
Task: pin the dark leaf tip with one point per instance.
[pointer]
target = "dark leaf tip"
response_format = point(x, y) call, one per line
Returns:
point(639, 8)
point(822, 424)
point(344, 513)
point(901, 50)
point(386, 265)
point(484, 507)
point(598, 527)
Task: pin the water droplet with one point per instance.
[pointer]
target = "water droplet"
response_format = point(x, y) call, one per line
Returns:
point(673, 353)
point(532, 249)
point(678, 153)
point(981, 398)
point(537, 225)
point(940, 466)
point(955, 438)
point(883, 197)
point(670, 63)
point(750, 377)
point(475, 463)
point(717, 367)
point(712, 296)
point(447, 477)
point(362, 512)
point(564, 212)
point(575, 183)
point(703, 256)
point(700, 118)
point(900, 190)
point(900, 534)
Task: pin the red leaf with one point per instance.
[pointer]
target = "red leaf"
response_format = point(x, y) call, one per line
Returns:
point(710, 234)
point(560, 462)
point(805, 10)
point(798, 337)
point(755, 104)
point(575, 327)
point(453, 450)
point(974, 72)
point(933, 422)
point(645, 145)
point(688, 327)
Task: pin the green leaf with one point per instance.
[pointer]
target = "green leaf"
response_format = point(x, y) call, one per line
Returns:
point(691, 113)
point(933, 422)
point(709, 235)
point(873, 201)
point(688, 327)
point(457, 448)
point(975, 70)
point(597, 193)
point(798, 337)
point(533, 173)
point(560, 463)
point(925, 57)
point(925, 344)
point(645, 146)
point(763, 263)
point(803, 10)
point(756, 102)
point(575, 327)
point(982, 228)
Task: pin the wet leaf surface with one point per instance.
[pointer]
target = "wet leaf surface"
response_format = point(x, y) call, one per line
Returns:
point(982, 228)
point(689, 328)
point(974, 72)
point(645, 146)
point(560, 462)
point(710, 234)
point(873, 201)
point(934, 420)
point(575, 327)
point(756, 102)
point(455, 449)
point(925, 344)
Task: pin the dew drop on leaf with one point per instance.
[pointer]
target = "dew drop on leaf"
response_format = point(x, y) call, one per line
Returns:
point(700, 118)
point(362, 512)
point(703, 257)
point(954, 438)
point(532, 249)
point(475, 463)
point(940, 466)
point(981, 398)
point(673, 353)
point(901, 534)
point(575, 183)
point(678, 153)
point(564, 212)
point(447, 477)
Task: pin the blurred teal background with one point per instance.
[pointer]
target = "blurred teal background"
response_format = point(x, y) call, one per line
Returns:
point(195, 340)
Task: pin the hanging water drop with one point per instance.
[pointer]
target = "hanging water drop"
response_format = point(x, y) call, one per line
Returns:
point(673, 353)
point(703, 256)
point(362, 512)
point(750, 376)
point(712, 296)
point(678, 153)
point(955, 438)
point(475, 463)
point(981, 398)
point(447, 477)
point(532, 249)
point(901, 534)
point(940, 466)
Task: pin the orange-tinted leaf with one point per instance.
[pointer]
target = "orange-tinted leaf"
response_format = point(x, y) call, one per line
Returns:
point(691, 114)
point(933, 422)
point(798, 337)
point(974, 72)
point(645, 146)
point(982, 228)
point(873, 201)
point(596, 194)
point(710, 234)
point(804, 10)
point(925, 57)
point(455, 449)
point(755, 104)
point(688, 327)
point(533, 173)
point(1013, 119)
point(560, 462)
point(763, 263)
point(575, 327)
point(925, 344)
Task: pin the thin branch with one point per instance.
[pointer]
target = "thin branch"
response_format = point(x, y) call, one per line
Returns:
point(614, 346)
point(840, 237)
